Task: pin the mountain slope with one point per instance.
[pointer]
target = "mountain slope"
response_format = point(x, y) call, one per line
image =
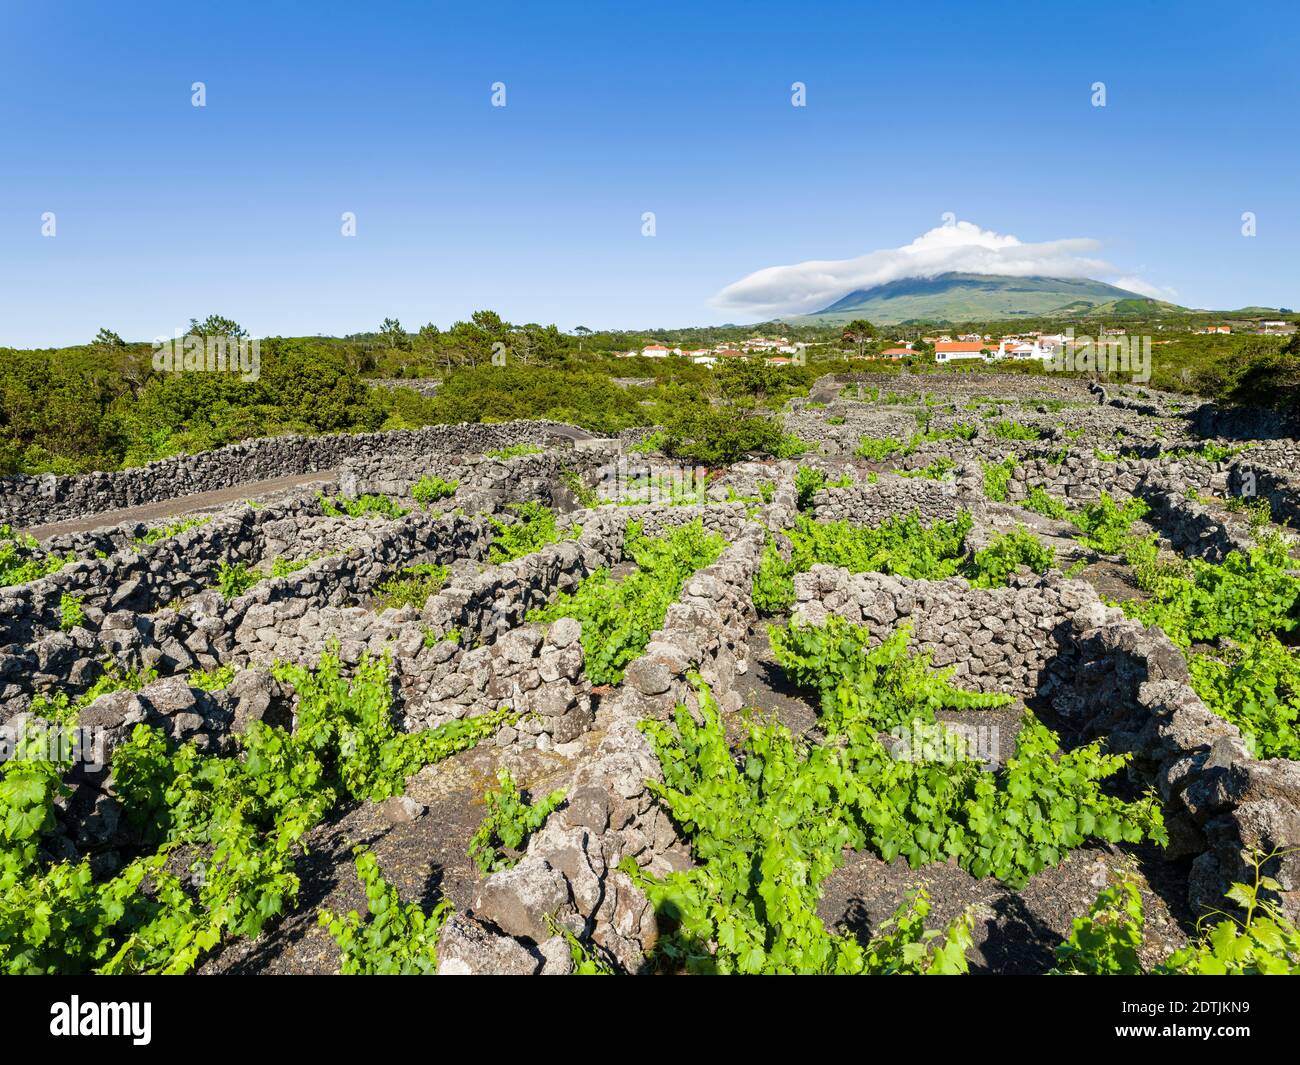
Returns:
point(969, 297)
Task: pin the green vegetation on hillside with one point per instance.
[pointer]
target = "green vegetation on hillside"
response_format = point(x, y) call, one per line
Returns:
point(102, 406)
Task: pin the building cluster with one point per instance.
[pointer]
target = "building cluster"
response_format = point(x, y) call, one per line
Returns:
point(1020, 347)
point(1269, 328)
point(775, 350)
point(1043, 347)
point(948, 348)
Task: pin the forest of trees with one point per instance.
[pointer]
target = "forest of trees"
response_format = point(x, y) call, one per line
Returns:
point(103, 406)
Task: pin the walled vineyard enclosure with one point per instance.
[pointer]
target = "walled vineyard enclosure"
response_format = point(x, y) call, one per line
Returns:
point(152, 606)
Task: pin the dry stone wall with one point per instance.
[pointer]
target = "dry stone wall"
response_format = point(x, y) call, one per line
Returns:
point(470, 649)
point(143, 577)
point(205, 630)
point(1132, 685)
point(871, 502)
point(994, 639)
point(1105, 675)
point(28, 501)
point(483, 482)
point(571, 869)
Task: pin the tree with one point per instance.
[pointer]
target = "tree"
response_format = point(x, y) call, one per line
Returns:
point(106, 338)
point(394, 335)
point(581, 332)
point(313, 387)
point(746, 384)
point(523, 340)
point(491, 323)
point(214, 325)
point(719, 437)
point(858, 332)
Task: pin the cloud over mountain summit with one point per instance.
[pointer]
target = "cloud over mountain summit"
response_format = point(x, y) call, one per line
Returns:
point(959, 247)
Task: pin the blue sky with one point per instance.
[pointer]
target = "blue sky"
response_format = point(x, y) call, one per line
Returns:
point(166, 211)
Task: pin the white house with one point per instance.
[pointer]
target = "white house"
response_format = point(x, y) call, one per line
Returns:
point(961, 349)
point(1025, 349)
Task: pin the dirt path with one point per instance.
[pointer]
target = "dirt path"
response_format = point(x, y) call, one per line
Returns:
point(189, 504)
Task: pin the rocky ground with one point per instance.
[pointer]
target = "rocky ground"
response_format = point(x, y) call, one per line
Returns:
point(1050, 642)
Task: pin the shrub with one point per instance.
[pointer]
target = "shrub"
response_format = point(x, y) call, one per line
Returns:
point(398, 939)
point(1105, 526)
point(412, 587)
point(341, 507)
point(899, 545)
point(766, 833)
point(163, 532)
point(877, 449)
point(509, 821)
point(533, 528)
point(936, 471)
point(997, 478)
point(284, 567)
point(1046, 504)
point(650, 443)
point(1256, 686)
point(808, 481)
point(722, 436)
point(71, 613)
point(618, 619)
point(991, 567)
point(214, 681)
point(1255, 940)
point(21, 559)
point(234, 579)
point(790, 446)
point(429, 489)
point(514, 451)
point(1006, 429)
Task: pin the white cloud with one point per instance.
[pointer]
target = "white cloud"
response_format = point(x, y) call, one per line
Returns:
point(1146, 288)
point(961, 247)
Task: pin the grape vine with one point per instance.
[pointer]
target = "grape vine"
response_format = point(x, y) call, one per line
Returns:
point(618, 618)
point(233, 826)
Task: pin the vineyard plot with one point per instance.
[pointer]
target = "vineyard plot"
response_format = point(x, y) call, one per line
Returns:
point(926, 704)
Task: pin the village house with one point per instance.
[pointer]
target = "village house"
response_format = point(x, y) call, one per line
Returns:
point(948, 351)
point(1011, 348)
point(763, 343)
